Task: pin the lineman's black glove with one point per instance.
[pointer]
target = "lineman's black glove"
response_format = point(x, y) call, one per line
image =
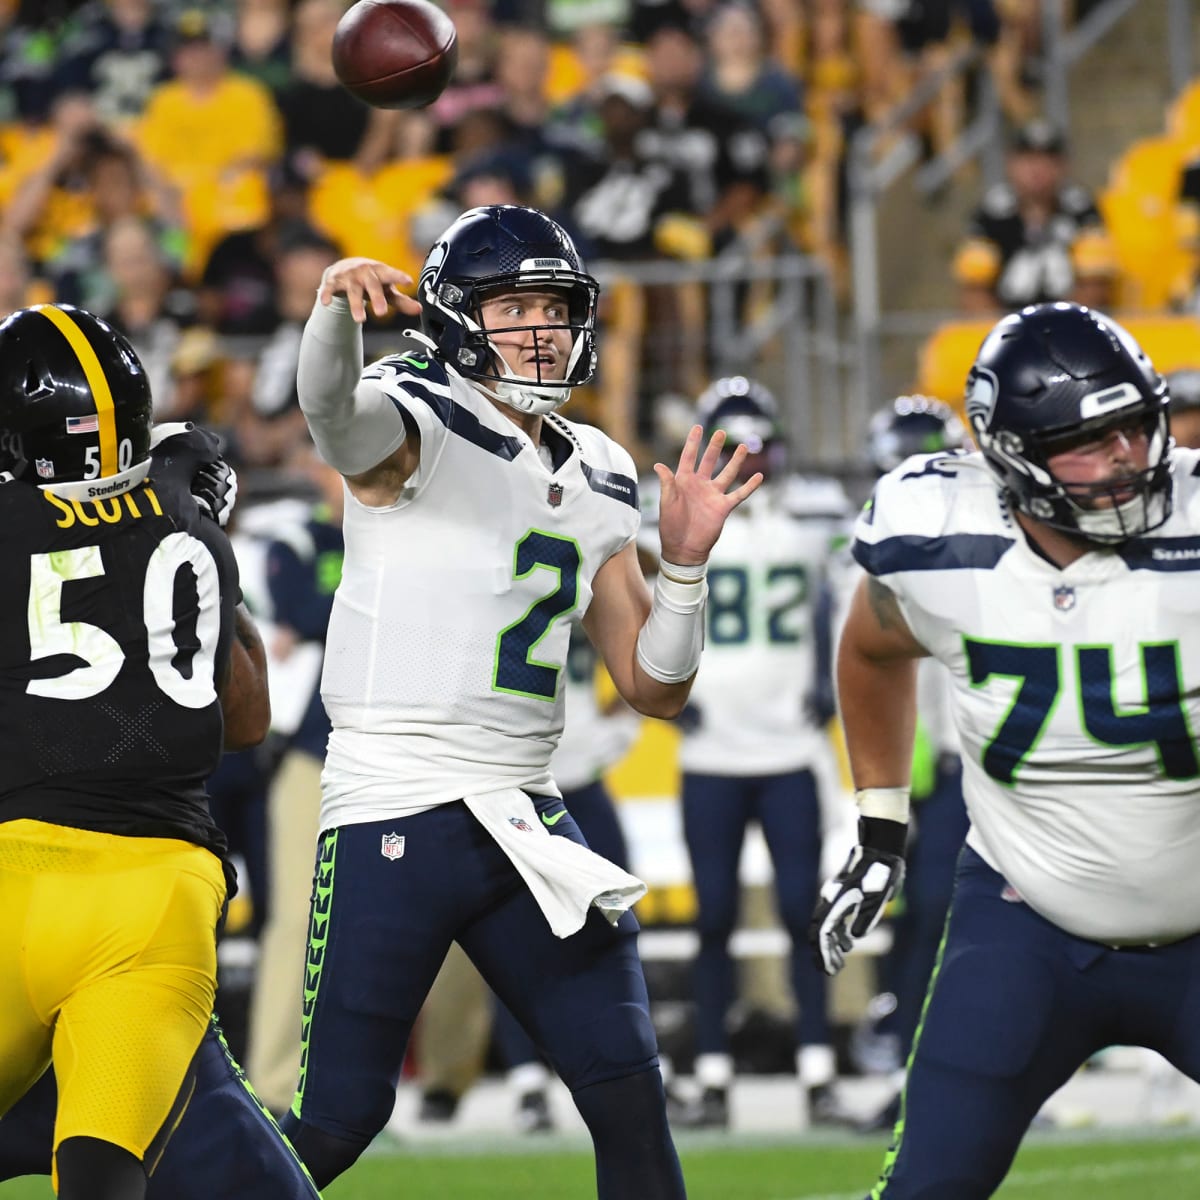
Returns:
point(852, 902)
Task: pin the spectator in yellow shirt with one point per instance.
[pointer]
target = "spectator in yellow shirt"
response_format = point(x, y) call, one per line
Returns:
point(208, 121)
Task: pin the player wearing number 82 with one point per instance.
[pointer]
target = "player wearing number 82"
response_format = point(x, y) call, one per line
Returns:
point(1055, 573)
point(120, 675)
point(479, 525)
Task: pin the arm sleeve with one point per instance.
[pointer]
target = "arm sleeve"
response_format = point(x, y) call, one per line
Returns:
point(354, 424)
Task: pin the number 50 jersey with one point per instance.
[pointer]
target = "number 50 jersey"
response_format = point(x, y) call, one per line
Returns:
point(115, 623)
point(1076, 693)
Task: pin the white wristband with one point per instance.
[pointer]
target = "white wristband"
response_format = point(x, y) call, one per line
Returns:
point(669, 643)
point(890, 804)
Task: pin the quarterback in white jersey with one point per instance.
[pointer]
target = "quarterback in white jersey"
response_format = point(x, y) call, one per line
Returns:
point(1055, 575)
point(479, 526)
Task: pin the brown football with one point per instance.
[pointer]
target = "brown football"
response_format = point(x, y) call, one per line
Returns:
point(395, 53)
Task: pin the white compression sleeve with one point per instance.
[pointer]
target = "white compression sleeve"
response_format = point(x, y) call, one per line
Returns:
point(669, 644)
point(354, 425)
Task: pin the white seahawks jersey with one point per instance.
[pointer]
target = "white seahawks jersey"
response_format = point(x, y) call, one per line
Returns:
point(1076, 693)
point(592, 740)
point(448, 638)
point(759, 662)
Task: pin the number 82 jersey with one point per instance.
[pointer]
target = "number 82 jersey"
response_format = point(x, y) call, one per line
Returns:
point(1076, 692)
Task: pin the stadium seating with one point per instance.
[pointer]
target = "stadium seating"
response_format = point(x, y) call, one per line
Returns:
point(1151, 234)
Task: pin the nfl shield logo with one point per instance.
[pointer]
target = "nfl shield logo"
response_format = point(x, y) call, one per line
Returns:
point(392, 846)
point(520, 824)
point(1064, 598)
point(555, 494)
point(45, 468)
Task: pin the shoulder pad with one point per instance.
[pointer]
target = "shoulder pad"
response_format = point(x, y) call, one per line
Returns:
point(417, 367)
point(927, 492)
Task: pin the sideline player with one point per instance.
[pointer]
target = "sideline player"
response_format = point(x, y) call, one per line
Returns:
point(124, 664)
point(754, 743)
point(479, 526)
point(1055, 573)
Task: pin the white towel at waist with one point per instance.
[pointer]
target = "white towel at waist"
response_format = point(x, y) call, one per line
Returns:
point(566, 879)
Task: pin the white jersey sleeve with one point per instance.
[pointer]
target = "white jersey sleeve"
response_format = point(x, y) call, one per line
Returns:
point(1075, 693)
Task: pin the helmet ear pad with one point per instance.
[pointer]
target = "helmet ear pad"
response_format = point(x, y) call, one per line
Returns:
point(75, 404)
point(495, 249)
point(1060, 374)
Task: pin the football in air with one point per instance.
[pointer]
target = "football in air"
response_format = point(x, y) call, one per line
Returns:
point(395, 53)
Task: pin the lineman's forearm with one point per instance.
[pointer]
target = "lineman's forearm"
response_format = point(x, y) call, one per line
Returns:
point(878, 704)
point(354, 426)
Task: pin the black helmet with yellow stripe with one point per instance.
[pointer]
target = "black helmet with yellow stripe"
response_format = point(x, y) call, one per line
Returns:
point(75, 405)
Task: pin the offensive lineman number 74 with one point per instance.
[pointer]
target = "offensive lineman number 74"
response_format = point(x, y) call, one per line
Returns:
point(1160, 722)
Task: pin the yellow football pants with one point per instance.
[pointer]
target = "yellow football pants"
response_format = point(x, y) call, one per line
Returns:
point(107, 967)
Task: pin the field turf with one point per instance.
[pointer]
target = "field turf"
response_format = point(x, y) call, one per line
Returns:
point(1058, 1166)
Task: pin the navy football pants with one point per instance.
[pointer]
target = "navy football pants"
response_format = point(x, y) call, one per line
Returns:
point(942, 824)
point(596, 815)
point(1017, 1006)
point(380, 929)
point(716, 812)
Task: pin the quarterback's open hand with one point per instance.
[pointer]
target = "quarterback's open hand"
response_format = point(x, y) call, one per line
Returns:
point(367, 282)
point(851, 904)
point(695, 502)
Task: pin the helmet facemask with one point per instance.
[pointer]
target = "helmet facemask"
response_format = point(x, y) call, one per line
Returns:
point(466, 342)
point(1136, 502)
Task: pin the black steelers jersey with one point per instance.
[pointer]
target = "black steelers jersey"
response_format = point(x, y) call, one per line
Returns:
point(115, 624)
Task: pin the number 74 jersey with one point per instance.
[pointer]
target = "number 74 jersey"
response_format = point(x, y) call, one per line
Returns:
point(447, 643)
point(1076, 693)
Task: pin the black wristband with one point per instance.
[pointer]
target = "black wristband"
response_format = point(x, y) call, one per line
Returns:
point(878, 833)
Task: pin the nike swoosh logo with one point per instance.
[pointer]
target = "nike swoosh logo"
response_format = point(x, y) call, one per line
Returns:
point(553, 819)
point(414, 362)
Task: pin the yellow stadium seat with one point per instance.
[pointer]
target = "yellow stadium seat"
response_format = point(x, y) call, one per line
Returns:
point(946, 357)
point(1183, 117)
point(214, 205)
point(345, 205)
point(405, 186)
point(1149, 167)
point(1172, 341)
point(1151, 237)
point(1152, 245)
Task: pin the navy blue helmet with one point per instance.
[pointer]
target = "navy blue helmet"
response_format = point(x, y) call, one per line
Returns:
point(487, 252)
point(1056, 376)
point(75, 405)
point(912, 425)
point(747, 412)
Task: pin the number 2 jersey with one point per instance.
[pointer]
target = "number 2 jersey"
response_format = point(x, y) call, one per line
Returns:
point(1076, 693)
point(115, 624)
point(447, 644)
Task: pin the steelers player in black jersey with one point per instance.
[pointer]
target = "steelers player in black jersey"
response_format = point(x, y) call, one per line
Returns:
point(126, 665)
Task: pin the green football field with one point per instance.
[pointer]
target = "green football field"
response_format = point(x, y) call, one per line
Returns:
point(1065, 1167)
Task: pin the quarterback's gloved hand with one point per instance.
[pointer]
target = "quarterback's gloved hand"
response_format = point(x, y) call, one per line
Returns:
point(187, 456)
point(852, 902)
